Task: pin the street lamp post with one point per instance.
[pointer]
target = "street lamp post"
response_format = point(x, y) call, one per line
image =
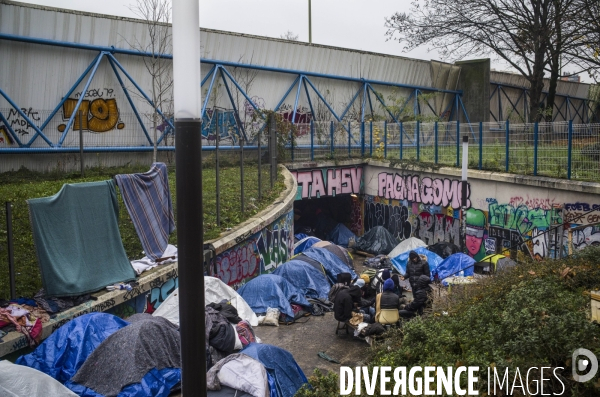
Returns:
point(309, 23)
point(464, 185)
point(188, 163)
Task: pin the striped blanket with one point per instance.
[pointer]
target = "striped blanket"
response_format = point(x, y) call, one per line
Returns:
point(148, 200)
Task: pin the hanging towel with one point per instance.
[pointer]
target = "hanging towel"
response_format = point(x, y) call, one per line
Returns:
point(148, 200)
point(77, 239)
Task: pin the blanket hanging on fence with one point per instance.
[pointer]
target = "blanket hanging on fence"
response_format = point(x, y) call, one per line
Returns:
point(148, 200)
point(77, 239)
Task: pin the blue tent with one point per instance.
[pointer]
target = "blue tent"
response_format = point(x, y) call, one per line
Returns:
point(341, 235)
point(271, 290)
point(433, 259)
point(65, 350)
point(304, 277)
point(280, 364)
point(330, 262)
point(455, 265)
point(305, 244)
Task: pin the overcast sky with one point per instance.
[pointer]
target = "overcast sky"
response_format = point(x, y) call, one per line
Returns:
point(356, 24)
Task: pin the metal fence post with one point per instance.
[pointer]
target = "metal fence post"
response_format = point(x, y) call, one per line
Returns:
point(273, 150)
point(11, 255)
point(435, 142)
point(385, 139)
point(507, 143)
point(401, 139)
point(242, 171)
point(480, 144)
point(535, 147)
point(292, 142)
point(457, 142)
point(259, 150)
point(217, 178)
point(371, 138)
point(349, 140)
point(81, 143)
point(331, 149)
point(312, 141)
point(418, 140)
point(570, 149)
point(362, 138)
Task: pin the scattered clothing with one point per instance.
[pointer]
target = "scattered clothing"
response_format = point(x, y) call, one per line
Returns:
point(373, 329)
point(378, 262)
point(148, 200)
point(57, 305)
point(324, 356)
point(220, 332)
point(85, 215)
point(23, 321)
point(320, 306)
point(245, 333)
point(146, 263)
point(228, 311)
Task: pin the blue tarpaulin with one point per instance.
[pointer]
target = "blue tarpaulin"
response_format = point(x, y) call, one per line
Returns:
point(433, 259)
point(270, 290)
point(341, 235)
point(331, 263)
point(455, 265)
point(280, 364)
point(304, 277)
point(305, 244)
point(65, 350)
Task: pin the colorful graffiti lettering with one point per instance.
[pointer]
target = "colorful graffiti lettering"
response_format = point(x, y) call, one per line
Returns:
point(522, 218)
point(328, 182)
point(444, 192)
point(532, 202)
point(5, 137)
point(433, 228)
point(158, 295)
point(239, 263)
point(357, 217)
point(99, 115)
point(259, 253)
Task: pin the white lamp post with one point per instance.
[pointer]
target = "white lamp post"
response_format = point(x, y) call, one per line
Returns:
point(188, 163)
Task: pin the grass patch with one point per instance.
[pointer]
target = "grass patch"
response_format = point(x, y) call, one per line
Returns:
point(19, 186)
point(533, 315)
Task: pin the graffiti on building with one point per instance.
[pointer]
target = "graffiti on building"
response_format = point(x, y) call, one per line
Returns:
point(303, 115)
point(98, 115)
point(328, 182)
point(392, 216)
point(5, 137)
point(436, 227)
point(97, 93)
point(356, 216)
point(582, 213)
point(437, 191)
point(19, 124)
point(225, 121)
point(260, 253)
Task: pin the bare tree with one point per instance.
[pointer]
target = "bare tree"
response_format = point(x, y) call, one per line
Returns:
point(289, 35)
point(516, 31)
point(157, 15)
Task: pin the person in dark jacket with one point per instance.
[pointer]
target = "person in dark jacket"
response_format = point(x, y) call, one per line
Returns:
point(346, 301)
point(387, 304)
point(421, 298)
point(416, 267)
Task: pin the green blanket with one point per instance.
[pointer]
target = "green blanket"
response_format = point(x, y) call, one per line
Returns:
point(77, 239)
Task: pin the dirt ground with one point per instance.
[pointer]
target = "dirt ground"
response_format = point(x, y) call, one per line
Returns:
point(314, 334)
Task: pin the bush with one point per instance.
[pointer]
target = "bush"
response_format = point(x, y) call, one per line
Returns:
point(535, 314)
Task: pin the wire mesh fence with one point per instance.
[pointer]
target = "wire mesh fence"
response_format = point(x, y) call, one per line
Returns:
point(557, 149)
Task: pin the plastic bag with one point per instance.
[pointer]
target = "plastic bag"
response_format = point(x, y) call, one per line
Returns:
point(272, 317)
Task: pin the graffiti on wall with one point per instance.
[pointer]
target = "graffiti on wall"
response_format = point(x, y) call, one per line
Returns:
point(582, 213)
point(224, 120)
point(97, 115)
point(328, 182)
point(18, 124)
point(259, 253)
point(356, 216)
point(437, 191)
point(5, 137)
point(411, 206)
